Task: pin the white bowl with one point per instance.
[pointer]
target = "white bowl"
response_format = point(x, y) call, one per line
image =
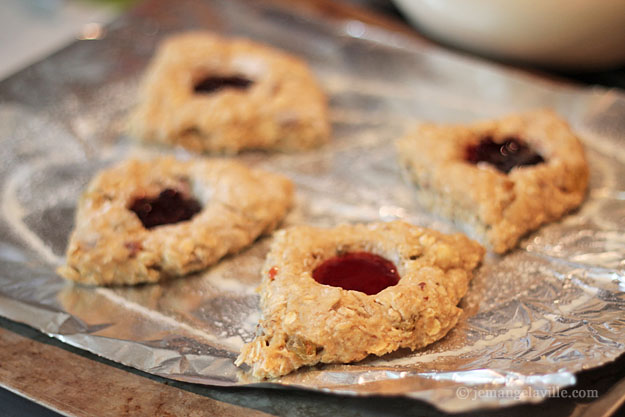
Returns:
point(566, 34)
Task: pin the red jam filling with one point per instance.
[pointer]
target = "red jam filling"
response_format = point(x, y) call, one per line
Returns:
point(273, 272)
point(504, 155)
point(169, 207)
point(358, 271)
point(213, 84)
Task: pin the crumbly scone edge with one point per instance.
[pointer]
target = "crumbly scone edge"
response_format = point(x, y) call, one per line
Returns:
point(499, 208)
point(305, 323)
point(110, 246)
point(285, 108)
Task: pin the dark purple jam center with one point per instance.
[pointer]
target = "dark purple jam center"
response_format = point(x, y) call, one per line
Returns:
point(212, 84)
point(358, 271)
point(504, 155)
point(169, 207)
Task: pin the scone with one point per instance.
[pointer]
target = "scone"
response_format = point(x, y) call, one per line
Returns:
point(211, 94)
point(338, 295)
point(498, 179)
point(145, 221)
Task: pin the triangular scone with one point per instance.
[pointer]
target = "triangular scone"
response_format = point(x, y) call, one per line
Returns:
point(452, 178)
point(144, 221)
point(212, 94)
point(304, 322)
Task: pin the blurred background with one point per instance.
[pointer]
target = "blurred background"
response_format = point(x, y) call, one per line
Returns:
point(579, 40)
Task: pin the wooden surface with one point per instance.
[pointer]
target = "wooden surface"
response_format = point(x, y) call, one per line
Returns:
point(78, 386)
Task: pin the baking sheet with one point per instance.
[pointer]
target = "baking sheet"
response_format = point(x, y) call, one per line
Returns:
point(533, 318)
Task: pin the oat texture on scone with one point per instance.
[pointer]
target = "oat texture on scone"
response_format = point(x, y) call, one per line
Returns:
point(496, 207)
point(212, 94)
point(305, 323)
point(111, 244)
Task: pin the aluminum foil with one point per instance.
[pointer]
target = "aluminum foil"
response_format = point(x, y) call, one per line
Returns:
point(532, 318)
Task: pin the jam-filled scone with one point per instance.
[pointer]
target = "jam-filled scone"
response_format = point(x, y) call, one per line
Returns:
point(338, 295)
point(499, 179)
point(211, 94)
point(144, 221)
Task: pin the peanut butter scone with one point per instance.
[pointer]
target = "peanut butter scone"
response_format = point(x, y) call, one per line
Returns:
point(211, 94)
point(500, 178)
point(338, 295)
point(144, 221)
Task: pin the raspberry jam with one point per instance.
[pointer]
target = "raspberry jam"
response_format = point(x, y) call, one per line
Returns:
point(273, 272)
point(169, 207)
point(358, 271)
point(504, 155)
point(212, 84)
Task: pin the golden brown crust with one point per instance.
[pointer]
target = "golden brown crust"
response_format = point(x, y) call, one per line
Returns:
point(110, 245)
point(283, 109)
point(500, 208)
point(305, 323)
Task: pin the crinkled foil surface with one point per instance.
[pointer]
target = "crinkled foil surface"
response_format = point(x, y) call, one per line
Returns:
point(533, 318)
